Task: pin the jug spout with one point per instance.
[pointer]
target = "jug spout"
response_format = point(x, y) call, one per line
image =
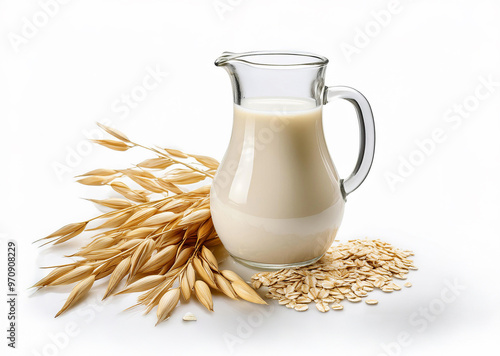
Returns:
point(224, 58)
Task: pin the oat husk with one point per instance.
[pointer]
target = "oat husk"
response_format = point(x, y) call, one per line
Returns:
point(202, 292)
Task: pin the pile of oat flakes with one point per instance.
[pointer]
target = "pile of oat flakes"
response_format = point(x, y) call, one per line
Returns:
point(347, 271)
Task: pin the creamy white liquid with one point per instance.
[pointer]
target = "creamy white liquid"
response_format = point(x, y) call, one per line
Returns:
point(276, 197)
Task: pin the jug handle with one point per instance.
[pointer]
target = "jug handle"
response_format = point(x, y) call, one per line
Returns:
point(366, 135)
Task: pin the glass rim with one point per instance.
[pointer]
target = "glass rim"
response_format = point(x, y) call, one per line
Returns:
point(257, 58)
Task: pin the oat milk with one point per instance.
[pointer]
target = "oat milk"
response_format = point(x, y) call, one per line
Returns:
point(277, 198)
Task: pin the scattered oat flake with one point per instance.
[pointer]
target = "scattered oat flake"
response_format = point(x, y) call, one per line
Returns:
point(371, 301)
point(407, 284)
point(301, 307)
point(322, 307)
point(354, 300)
point(189, 317)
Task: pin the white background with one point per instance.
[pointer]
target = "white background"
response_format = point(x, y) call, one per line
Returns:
point(417, 69)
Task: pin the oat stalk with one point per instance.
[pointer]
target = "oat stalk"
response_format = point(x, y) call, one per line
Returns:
point(156, 237)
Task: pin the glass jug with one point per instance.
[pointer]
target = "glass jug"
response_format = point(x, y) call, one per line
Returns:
point(277, 200)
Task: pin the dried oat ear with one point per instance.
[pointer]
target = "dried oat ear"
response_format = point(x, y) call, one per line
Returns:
point(158, 233)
